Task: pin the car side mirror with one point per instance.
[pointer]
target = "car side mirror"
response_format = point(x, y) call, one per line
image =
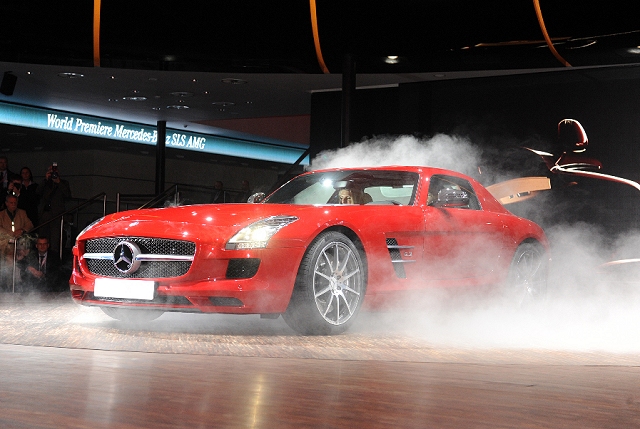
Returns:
point(452, 198)
point(257, 197)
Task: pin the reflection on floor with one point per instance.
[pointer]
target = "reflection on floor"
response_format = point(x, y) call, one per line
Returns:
point(67, 366)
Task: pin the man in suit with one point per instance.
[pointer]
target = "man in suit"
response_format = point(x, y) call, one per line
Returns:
point(43, 267)
point(219, 195)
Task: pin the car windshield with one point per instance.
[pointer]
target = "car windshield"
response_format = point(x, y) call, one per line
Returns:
point(349, 187)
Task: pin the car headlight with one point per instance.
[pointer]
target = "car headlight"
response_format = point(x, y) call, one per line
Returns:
point(257, 235)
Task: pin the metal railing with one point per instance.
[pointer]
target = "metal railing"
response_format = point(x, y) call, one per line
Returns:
point(150, 200)
point(177, 194)
point(75, 209)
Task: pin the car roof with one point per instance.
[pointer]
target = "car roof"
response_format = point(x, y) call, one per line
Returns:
point(423, 170)
point(412, 168)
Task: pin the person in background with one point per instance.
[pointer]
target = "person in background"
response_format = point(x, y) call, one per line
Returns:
point(219, 195)
point(6, 176)
point(42, 269)
point(245, 192)
point(52, 192)
point(28, 199)
point(14, 222)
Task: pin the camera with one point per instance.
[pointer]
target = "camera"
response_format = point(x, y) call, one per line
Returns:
point(14, 186)
point(54, 171)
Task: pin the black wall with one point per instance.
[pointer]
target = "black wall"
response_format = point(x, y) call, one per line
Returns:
point(503, 114)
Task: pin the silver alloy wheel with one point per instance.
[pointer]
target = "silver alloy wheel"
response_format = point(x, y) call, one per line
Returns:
point(528, 274)
point(338, 283)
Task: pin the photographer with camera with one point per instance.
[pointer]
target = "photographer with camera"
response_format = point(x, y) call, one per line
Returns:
point(52, 191)
point(6, 177)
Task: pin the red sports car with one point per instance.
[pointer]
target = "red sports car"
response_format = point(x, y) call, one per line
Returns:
point(314, 251)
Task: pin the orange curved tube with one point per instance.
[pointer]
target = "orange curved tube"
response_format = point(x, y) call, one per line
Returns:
point(316, 37)
point(96, 33)
point(536, 5)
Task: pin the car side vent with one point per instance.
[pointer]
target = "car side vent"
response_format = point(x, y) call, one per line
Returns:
point(396, 257)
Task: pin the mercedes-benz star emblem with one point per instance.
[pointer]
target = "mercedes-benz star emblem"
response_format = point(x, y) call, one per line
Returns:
point(124, 257)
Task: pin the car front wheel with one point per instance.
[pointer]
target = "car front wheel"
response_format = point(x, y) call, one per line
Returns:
point(329, 288)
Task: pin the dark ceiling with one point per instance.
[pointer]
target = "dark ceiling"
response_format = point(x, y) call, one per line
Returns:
point(179, 53)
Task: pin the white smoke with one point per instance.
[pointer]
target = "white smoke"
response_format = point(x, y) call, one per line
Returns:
point(443, 151)
point(589, 307)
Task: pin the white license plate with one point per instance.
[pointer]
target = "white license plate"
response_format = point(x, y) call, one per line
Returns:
point(124, 289)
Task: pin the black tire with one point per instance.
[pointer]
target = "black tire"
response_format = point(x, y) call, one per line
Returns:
point(132, 315)
point(527, 281)
point(329, 288)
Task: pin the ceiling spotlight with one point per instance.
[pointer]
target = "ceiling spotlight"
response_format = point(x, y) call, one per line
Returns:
point(177, 106)
point(392, 59)
point(135, 98)
point(233, 81)
point(182, 94)
point(634, 51)
point(156, 108)
point(71, 75)
point(223, 103)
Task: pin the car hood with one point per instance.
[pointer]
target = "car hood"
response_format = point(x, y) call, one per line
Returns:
point(207, 222)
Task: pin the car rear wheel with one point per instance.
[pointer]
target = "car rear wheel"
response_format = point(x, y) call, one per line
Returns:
point(133, 315)
point(527, 281)
point(329, 288)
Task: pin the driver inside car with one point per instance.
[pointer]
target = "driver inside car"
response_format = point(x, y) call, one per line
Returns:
point(350, 196)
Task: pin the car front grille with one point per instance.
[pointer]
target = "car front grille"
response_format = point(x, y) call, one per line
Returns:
point(159, 258)
point(155, 246)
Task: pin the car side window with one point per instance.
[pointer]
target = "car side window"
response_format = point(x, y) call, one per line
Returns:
point(440, 183)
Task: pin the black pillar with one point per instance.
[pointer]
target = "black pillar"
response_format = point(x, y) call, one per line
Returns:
point(160, 156)
point(8, 84)
point(348, 90)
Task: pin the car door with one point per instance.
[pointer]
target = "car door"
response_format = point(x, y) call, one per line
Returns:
point(462, 243)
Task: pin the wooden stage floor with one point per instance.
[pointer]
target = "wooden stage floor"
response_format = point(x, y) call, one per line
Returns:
point(66, 366)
